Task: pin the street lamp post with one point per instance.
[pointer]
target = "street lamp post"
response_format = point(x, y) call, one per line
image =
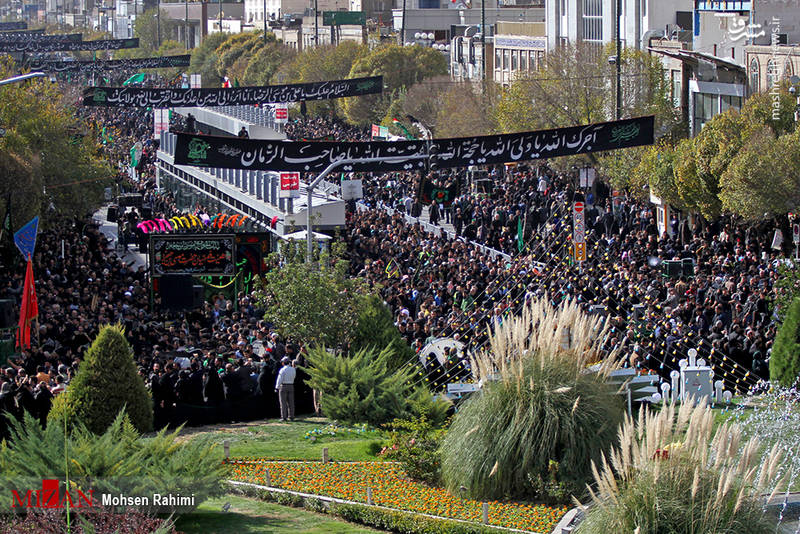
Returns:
point(158, 25)
point(619, 61)
point(483, 41)
point(265, 21)
point(219, 4)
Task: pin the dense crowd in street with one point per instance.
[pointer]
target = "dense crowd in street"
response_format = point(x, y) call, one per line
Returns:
point(221, 363)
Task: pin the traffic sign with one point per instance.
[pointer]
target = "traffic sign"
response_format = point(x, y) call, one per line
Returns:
point(290, 185)
point(281, 114)
point(578, 225)
point(580, 251)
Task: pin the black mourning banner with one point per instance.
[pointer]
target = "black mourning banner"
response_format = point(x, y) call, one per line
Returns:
point(236, 96)
point(22, 37)
point(68, 46)
point(444, 195)
point(207, 255)
point(256, 154)
point(22, 32)
point(111, 64)
point(17, 25)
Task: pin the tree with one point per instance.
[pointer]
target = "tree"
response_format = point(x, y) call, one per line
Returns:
point(463, 112)
point(316, 303)
point(50, 153)
point(575, 85)
point(107, 382)
point(360, 388)
point(205, 57)
point(401, 67)
point(376, 329)
point(784, 364)
point(146, 28)
point(321, 63)
point(264, 64)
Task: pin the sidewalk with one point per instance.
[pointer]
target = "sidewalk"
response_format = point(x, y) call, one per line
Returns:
point(132, 257)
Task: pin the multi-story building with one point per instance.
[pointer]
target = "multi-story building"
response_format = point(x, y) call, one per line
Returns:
point(519, 49)
point(592, 21)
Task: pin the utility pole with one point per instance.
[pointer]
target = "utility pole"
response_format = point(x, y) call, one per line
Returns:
point(483, 43)
point(219, 3)
point(316, 24)
point(619, 61)
point(265, 21)
point(403, 26)
point(186, 23)
point(158, 25)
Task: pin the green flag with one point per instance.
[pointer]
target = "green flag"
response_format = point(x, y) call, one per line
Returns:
point(136, 78)
point(235, 82)
point(520, 235)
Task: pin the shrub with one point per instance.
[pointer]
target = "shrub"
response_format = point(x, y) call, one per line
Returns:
point(669, 475)
point(106, 383)
point(117, 461)
point(415, 444)
point(360, 388)
point(543, 407)
point(97, 521)
point(784, 363)
point(375, 329)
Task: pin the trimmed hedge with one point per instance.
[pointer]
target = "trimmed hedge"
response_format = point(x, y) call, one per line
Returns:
point(379, 518)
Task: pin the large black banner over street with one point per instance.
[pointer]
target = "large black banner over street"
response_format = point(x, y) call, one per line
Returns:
point(237, 153)
point(111, 64)
point(169, 98)
point(18, 37)
point(68, 46)
point(209, 255)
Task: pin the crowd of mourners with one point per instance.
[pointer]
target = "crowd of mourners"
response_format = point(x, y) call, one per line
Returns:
point(220, 363)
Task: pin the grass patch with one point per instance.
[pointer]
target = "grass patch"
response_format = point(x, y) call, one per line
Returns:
point(286, 441)
point(247, 516)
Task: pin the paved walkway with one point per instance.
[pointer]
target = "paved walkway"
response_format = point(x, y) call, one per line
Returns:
point(132, 257)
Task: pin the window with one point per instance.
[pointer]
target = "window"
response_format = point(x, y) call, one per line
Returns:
point(754, 68)
point(523, 60)
point(727, 102)
point(593, 20)
point(675, 76)
point(773, 74)
point(644, 8)
point(506, 59)
point(514, 60)
point(498, 59)
point(705, 107)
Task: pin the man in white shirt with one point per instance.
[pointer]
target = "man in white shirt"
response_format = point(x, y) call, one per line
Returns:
point(284, 386)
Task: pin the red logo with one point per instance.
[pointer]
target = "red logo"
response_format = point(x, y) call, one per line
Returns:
point(281, 113)
point(290, 181)
point(50, 496)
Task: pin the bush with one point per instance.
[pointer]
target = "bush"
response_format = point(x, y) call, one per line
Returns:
point(415, 444)
point(375, 329)
point(107, 382)
point(97, 521)
point(784, 363)
point(669, 475)
point(117, 461)
point(360, 388)
point(544, 408)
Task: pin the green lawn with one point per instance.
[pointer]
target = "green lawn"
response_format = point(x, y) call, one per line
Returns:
point(285, 441)
point(247, 516)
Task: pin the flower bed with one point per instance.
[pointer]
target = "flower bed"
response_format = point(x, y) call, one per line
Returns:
point(391, 488)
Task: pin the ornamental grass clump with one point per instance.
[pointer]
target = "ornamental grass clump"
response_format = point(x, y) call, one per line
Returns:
point(541, 416)
point(671, 473)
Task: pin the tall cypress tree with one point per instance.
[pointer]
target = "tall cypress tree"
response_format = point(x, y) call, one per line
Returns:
point(107, 381)
point(784, 364)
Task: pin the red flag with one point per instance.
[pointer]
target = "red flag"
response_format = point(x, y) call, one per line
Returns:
point(29, 309)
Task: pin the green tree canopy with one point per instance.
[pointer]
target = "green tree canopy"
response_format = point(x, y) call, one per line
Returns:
point(316, 303)
point(107, 381)
point(401, 67)
point(784, 363)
